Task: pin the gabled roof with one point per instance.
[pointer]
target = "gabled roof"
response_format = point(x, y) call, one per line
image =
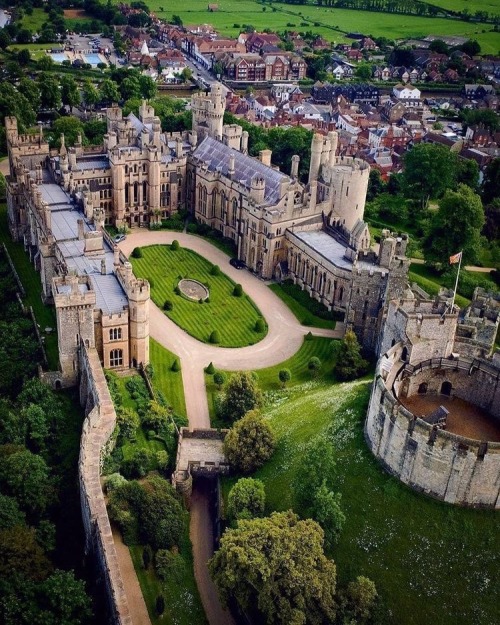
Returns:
point(216, 155)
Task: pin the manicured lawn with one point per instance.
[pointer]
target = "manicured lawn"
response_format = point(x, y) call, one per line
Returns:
point(302, 310)
point(165, 380)
point(323, 348)
point(233, 317)
point(30, 279)
point(432, 563)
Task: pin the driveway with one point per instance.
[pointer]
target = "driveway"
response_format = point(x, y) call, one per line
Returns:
point(284, 338)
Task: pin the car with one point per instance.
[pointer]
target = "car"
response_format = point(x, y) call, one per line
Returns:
point(118, 238)
point(237, 263)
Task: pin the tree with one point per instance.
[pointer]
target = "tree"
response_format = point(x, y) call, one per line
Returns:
point(251, 567)
point(350, 364)
point(491, 182)
point(467, 172)
point(90, 94)
point(137, 252)
point(491, 229)
point(70, 94)
point(260, 325)
point(36, 427)
point(156, 416)
point(147, 87)
point(238, 290)
point(439, 46)
point(31, 91)
point(364, 72)
point(316, 469)
point(64, 600)
point(23, 57)
point(162, 518)
point(428, 171)
point(376, 185)
point(160, 605)
point(284, 376)
point(10, 515)
point(5, 39)
point(20, 554)
point(249, 443)
point(327, 511)
point(176, 20)
point(362, 595)
point(187, 74)
point(147, 556)
point(128, 421)
point(175, 245)
point(50, 93)
point(219, 379)
point(45, 63)
point(455, 227)
point(314, 365)
point(471, 47)
point(70, 127)
point(214, 337)
point(247, 499)
point(241, 395)
point(130, 87)
point(108, 91)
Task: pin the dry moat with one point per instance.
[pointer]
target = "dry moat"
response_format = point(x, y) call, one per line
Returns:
point(464, 418)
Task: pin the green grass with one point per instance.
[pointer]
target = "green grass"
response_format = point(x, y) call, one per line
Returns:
point(182, 601)
point(491, 6)
point(302, 312)
point(45, 315)
point(233, 317)
point(432, 563)
point(35, 21)
point(332, 23)
point(165, 380)
point(323, 348)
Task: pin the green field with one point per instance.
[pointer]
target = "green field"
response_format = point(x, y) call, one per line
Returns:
point(491, 6)
point(301, 311)
point(30, 279)
point(432, 563)
point(332, 24)
point(165, 380)
point(233, 317)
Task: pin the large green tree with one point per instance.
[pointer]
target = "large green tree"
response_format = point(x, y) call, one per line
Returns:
point(49, 91)
point(241, 395)
point(350, 364)
point(455, 227)
point(249, 443)
point(247, 499)
point(491, 182)
point(276, 565)
point(429, 170)
point(70, 93)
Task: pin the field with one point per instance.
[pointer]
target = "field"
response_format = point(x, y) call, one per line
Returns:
point(233, 317)
point(34, 21)
point(432, 563)
point(332, 24)
point(491, 6)
point(165, 380)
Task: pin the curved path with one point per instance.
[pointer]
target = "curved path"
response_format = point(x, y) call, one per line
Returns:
point(284, 338)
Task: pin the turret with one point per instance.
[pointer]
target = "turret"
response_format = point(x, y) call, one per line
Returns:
point(294, 171)
point(258, 189)
point(316, 150)
point(244, 142)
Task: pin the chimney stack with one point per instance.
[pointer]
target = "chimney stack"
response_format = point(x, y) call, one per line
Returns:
point(294, 172)
point(80, 230)
point(265, 157)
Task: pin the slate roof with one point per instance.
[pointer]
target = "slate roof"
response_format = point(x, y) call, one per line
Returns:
point(217, 155)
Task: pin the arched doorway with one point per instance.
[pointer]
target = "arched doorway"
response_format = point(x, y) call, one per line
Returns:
point(404, 354)
point(446, 388)
point(422, 389)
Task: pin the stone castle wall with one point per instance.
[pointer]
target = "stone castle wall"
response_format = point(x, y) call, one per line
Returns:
point(96, 438)
point(444, 465)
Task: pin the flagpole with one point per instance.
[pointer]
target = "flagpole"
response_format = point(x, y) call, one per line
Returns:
point(456, 281)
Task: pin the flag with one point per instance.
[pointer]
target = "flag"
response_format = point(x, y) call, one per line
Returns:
point(456, 258)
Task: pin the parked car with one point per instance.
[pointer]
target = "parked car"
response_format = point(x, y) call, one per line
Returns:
point(119, 238)
point(237, 263)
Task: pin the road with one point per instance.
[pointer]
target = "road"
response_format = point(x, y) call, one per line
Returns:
point(284, 338)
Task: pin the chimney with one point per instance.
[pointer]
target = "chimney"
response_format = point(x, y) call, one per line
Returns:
point(294, 172)
point(80, 230)
point(244, 142)
point(265, 157)
point(231, 169)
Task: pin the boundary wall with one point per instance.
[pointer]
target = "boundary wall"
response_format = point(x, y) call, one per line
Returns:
point(441, 464)
point(96, 440)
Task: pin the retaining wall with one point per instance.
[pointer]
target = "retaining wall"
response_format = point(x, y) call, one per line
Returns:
point(96, 439)
point(444, 465)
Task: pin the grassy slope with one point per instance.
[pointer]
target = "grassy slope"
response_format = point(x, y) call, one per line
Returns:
point(45, 315)
point(382, 24)
point(432, 563)
point(233, 317)
point(165, 380)
point(303, 315)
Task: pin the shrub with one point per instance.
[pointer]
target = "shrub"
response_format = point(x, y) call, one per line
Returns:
point(168, 304)
point(249, 443)
point(200, 301)
point(238, 290)
point(215, 271)
point(169, 564)
point(176, 365)
point(162, 460)
point(138, 465)
point(113, 481)
point(309, 336)
point(247, 499)
point(214, 337)
point(242, 394)
point(160, 605)
point(137, 252)
point(175, 245)
point(210, 369)
point(219, 379)
point(147, 556)
point(314, 365)
point(260, 325)
point(284, 376)
point(177, 290)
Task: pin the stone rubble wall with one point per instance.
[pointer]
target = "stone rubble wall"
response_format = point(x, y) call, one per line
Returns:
point(97, 433)
point(441, 464)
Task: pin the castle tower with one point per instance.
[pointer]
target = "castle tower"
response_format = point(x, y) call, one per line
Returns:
point(74, 300)
point(138, 293)
point(348, 187)
point(208, 112)
point(316, 151)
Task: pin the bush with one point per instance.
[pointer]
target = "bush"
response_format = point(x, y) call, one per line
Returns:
point(260, 325)
point(249, 443)
point(113, 481)
point(284, 376)
point(238, 290)
point(138, 465)
point(214, 337)
point(219, 379)
point(201, 301)
point(177, 290)
point(314, 365)
point(160, 605)
point(309, 336)
point(210, 369)
point(175, 245)
point(137, 252)
point(176, 365)
point(168, 304)
point(215, 271)
point(169, 564)
point(247, 499)
point(147, 556)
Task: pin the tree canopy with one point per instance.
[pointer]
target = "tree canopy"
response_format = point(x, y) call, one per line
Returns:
point(350, 364)
point(241, 395)
point(250, 442)
point(276, 565)
point(428, 171)
point(247, 499)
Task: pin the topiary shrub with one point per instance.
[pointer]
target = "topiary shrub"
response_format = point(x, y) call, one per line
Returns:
point(215, 271)
point(210, 369)
point(219, 379)
point(201, 300)
point(238, 290)
point(260, 326)
point(177, 290)
point(207, 301)
point(214, 337)
point(309, 336)
point(168, 305)
point(176, 365)
point(175, 245)
point(137, 252)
